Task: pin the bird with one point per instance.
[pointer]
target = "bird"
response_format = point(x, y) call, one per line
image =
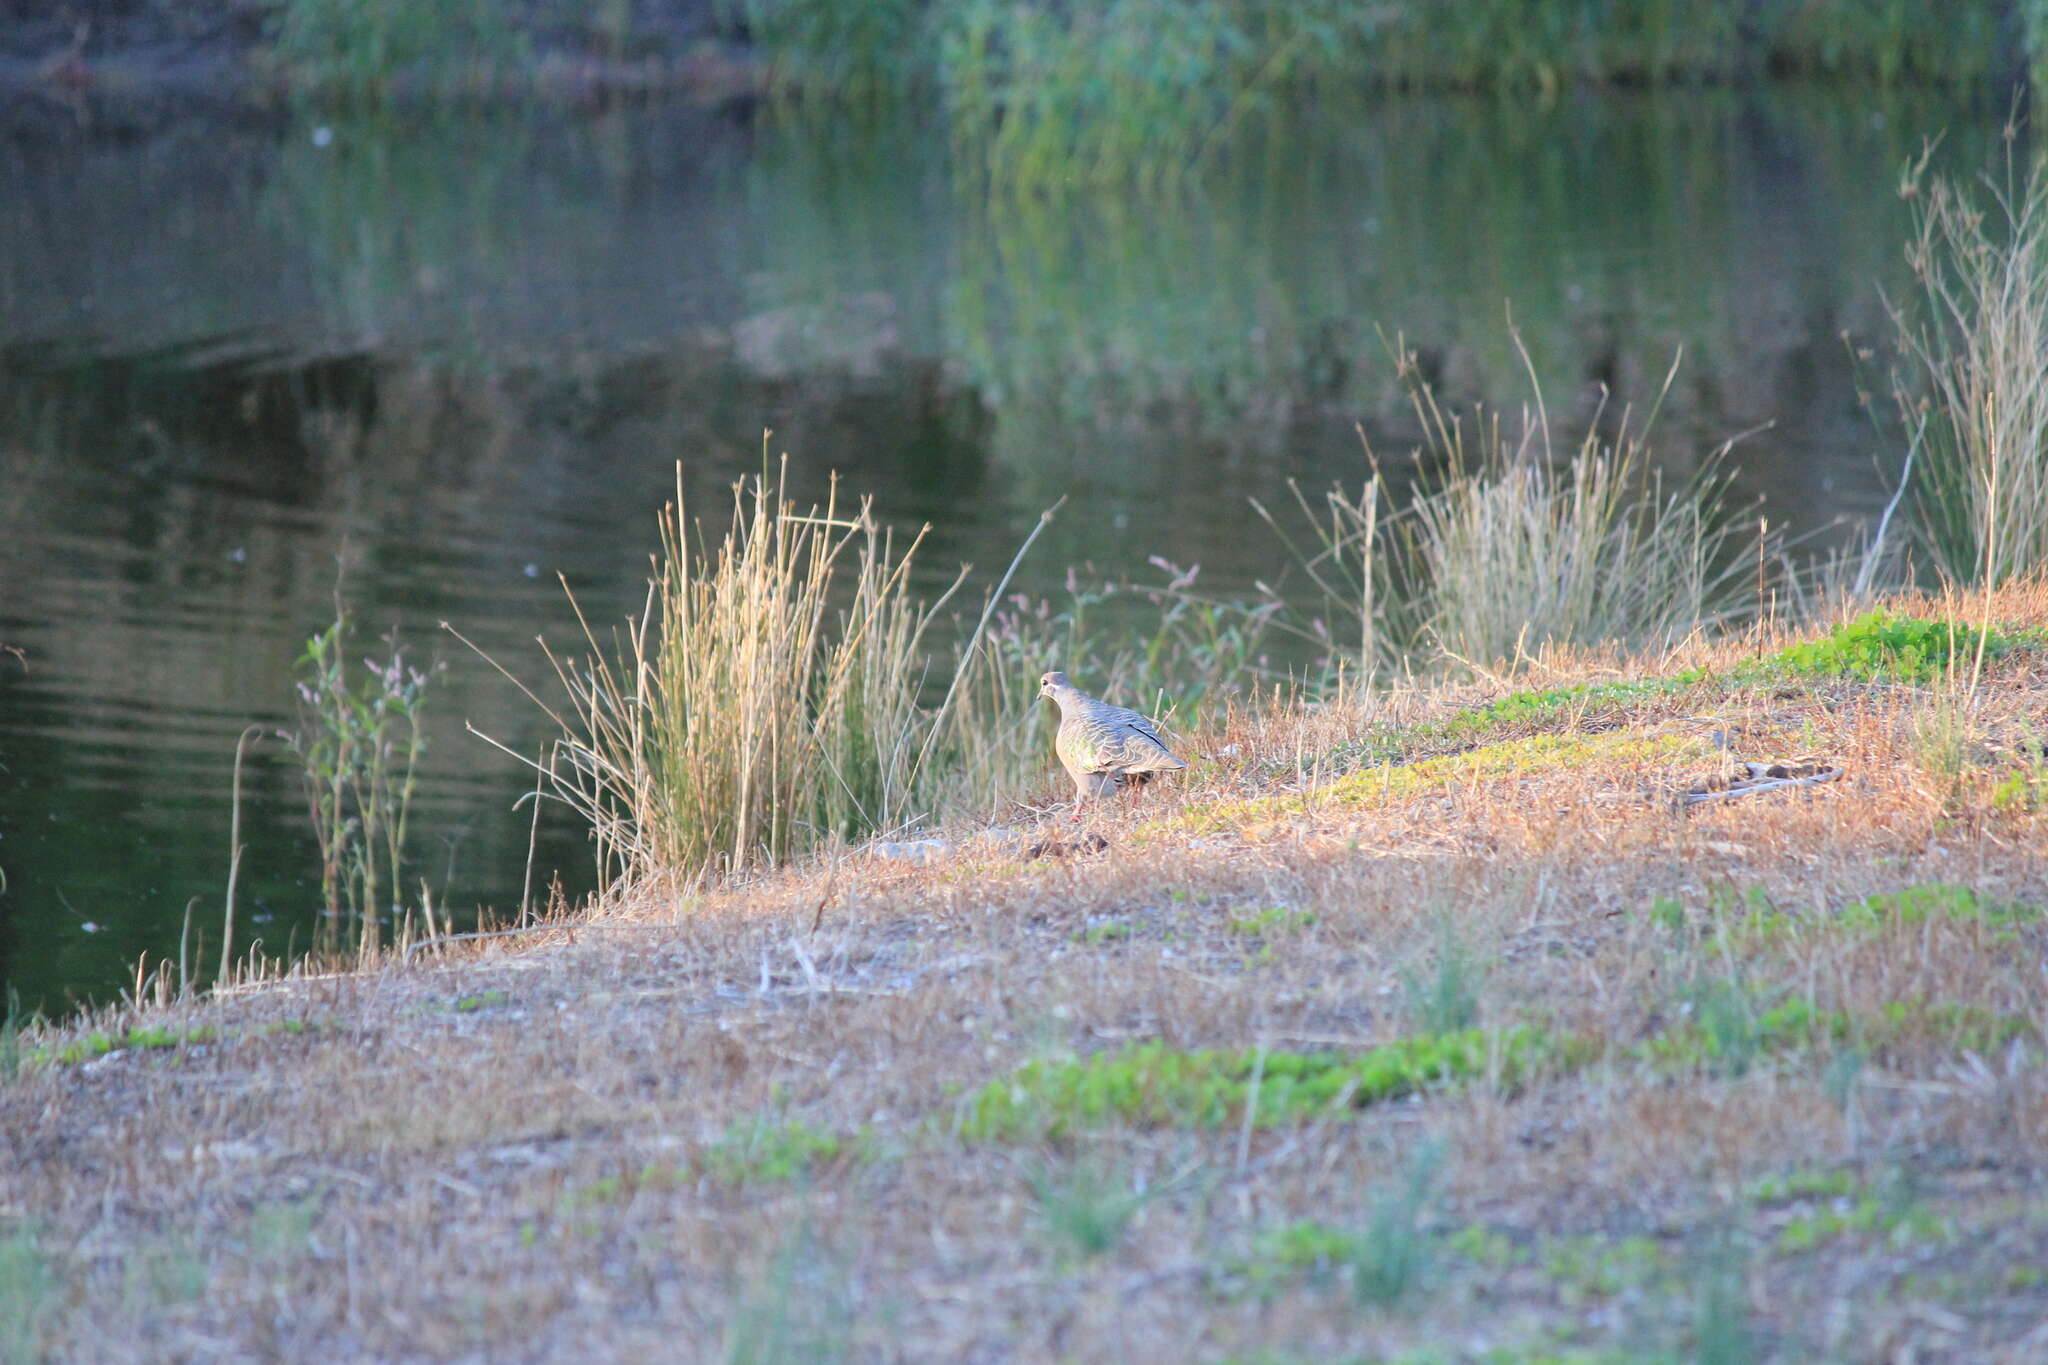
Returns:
point(1104, 748)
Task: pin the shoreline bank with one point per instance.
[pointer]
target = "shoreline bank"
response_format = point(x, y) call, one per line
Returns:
point(1607, 1078)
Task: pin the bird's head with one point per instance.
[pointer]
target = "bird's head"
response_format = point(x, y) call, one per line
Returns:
point(1051, 683)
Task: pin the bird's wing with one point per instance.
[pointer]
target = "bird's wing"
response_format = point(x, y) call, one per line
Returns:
point(1132, 743)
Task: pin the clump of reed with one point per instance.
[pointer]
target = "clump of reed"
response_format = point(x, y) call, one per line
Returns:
point(1501, 550)
point(784, 688)
point(359, 51)
point(1047, 97)
point(1976, 392)
point(765, 698)
point(1131, 91)
point(1517, 554)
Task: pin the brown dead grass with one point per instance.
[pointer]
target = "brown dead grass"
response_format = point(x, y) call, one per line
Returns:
point(525, 1152)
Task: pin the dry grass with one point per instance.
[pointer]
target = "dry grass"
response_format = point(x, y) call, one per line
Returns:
point(1978, 396)
point(739, 1126)
point(1501, 551)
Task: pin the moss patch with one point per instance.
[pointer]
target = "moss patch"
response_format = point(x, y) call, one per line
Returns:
point(1525, 756)
point(1528, 756)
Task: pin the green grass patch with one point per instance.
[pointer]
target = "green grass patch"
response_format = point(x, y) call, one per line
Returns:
point(1388, 1257)
point(1726, 1026)
point(1872, 1215)
point(1753, 916)
point(1803, 1183)
point(1532, 710)
point(1584, 1269)
point(1883, 645)
point(1589, 1268)
point(1153, 1084)
point(479, 1000)
point(1099, 935)
point(1273, 922)
point(138, 1039)
point(1547, 707)
point(759, 1152)
point(1934, 901)
point(1953, 1025)
point(620, 1189)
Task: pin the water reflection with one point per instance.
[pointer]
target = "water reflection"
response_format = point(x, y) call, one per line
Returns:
point(462, 358)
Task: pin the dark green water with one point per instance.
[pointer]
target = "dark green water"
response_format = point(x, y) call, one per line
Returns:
point(464, 357)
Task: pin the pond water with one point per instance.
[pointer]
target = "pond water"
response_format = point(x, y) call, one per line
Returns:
point(448, 360)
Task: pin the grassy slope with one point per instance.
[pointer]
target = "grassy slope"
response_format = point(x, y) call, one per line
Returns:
point(762, 1126)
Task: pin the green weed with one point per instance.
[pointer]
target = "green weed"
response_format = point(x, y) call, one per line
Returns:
point(1881, 644)
point(1545, 707)
point(479, 1000)
point(28, 1291)
point(1447, 999)
point(1386, 1257)
point(1529, 755)
point(1726, 1026)
point(1085, 1209)
point(1951, 1025)
point(761, 1151)
point(11, 1026)
point(1274, 921)
point(167, 1271)
point(1393, 1254)
point(280, 1232)
point(1722, 1334)
point(359, 744)
point(2025, 789)
point(1918, 904)
point(1111, 931)
point(798, 1310)
point(1305, 1245)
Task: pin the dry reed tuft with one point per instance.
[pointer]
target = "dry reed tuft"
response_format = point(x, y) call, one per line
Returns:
point(1978, 348)
point(765, 700)
point(1502, 553)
